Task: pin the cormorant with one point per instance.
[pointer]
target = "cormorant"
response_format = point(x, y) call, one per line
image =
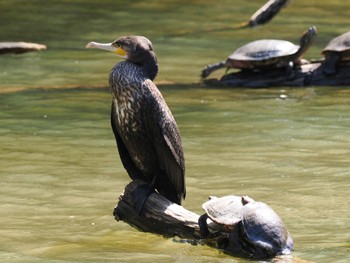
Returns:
point(145, 130)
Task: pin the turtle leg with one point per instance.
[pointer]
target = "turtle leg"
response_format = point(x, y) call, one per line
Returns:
point(330, 64)
point(203, 226)
point(210, 68)
point(236, 243)
point(239, 244)
point(290, 71)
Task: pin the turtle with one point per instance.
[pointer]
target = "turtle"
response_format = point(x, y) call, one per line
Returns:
point(266, 54)
point(256, 231)
point(224, 211)
point(338, 49)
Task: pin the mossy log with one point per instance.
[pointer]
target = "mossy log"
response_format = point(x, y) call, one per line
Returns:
point(19, 47)
point(310, 74)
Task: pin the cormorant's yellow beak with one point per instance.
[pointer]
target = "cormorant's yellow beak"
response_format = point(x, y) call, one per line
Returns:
point(121, 52)
point(109, 47)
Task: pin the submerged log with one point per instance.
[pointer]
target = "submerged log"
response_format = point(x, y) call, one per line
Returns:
point(19, 47)
point(310, 74)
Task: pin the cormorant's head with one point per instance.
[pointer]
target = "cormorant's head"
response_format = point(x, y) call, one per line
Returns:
point(135, 49)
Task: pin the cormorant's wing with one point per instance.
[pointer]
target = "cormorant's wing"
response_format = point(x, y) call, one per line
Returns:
point(123, 153)
point(162, 130)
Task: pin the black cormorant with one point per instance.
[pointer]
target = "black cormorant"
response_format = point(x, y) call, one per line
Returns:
point(146, 133)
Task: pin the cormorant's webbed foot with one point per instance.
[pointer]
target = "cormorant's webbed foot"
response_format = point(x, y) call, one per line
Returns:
point(140, 195)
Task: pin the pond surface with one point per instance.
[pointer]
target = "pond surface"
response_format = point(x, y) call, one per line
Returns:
point(61, 174)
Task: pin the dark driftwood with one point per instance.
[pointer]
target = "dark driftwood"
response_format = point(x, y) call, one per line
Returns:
point(19, 47)
point(306, 75)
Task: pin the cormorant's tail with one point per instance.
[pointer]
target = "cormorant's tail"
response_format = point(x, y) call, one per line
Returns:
point(166, 189)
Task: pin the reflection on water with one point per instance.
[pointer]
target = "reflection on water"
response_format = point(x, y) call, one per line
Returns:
point(61, 174)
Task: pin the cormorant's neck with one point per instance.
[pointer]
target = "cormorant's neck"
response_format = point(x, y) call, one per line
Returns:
point(150, 65)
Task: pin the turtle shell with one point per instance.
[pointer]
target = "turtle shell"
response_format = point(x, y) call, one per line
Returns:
point(264, 229)
point(270, 52)
point(264, 52)
point(264, 49)
point(338, 44)
point(224, 210)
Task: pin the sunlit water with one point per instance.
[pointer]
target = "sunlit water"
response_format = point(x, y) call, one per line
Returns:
point(60, 171)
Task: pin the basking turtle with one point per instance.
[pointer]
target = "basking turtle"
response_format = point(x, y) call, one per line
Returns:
point(266, 54)
point(225, 211)
point(337, 50)
point(256, 230)
point(264, 229)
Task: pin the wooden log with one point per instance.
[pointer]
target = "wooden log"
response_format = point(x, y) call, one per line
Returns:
point(158, 215)
point(162, 217)
point(310, 74)
point(19, 47)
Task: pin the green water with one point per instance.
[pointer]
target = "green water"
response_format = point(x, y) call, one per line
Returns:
point(60, 172)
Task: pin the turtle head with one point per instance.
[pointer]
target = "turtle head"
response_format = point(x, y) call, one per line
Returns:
point(308, 37)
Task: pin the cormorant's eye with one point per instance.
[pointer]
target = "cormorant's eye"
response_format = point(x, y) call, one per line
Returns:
point(116, 44)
